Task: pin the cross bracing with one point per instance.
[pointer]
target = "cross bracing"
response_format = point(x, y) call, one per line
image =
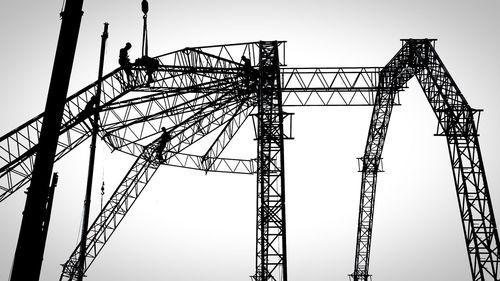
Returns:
point(203, 92)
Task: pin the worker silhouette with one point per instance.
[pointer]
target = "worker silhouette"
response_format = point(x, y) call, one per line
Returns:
point(248, 72)
point(91, 104)
point(88, 110)
point(125, 61)
point(246, 62)
point(165, 137)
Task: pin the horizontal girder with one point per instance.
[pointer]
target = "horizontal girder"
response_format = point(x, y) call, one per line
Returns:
point(329, 86)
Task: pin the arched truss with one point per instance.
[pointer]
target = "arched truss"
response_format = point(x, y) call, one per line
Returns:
point(458, 123)
point(206, 92)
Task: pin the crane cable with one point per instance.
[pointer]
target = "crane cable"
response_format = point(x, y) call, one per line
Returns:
point(102, 198)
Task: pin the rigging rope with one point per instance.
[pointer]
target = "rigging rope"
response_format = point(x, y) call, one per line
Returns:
point(102, 194)
point(102, 179)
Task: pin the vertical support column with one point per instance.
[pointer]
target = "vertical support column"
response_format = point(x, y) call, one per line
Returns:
point(33, 234)
point(392, 79)
point(458, 122)
point(93, 145)
point(371, 165)
point(271, 235)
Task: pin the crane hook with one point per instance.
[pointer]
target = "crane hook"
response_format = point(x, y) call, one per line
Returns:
point(145, 7)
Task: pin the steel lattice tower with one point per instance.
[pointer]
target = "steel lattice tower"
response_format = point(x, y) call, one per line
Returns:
point(271, 226)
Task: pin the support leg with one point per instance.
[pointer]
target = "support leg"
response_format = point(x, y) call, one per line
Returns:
point(458, 122)
point(271, 235)
point(392, 79)
point(370, 168)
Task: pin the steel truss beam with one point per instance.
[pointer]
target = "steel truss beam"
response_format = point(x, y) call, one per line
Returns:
point(458, 122)
point(226, 135)
point(188, 131)
point(326, 86)
point(271, 262)
point(18, 147)
point(112, 214)
point(141, 128)
point(393, 78)
point(132, 186)
point(329, 86)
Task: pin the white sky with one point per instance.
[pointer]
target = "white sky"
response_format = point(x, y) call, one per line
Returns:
point(192, 226)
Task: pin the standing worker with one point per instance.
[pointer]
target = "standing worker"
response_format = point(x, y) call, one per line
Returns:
point(247, 68)
point(247, 65)
point(248, 73)
point(125, 61)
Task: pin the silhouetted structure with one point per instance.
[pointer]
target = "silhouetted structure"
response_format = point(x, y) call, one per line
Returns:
point(198, 91)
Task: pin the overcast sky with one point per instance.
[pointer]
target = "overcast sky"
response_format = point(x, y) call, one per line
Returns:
point(191, 226)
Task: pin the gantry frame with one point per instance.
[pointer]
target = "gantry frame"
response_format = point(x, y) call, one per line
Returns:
point(201, 91)
point(458, 123)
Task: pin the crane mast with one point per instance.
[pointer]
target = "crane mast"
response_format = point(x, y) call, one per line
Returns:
point(33, 233)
